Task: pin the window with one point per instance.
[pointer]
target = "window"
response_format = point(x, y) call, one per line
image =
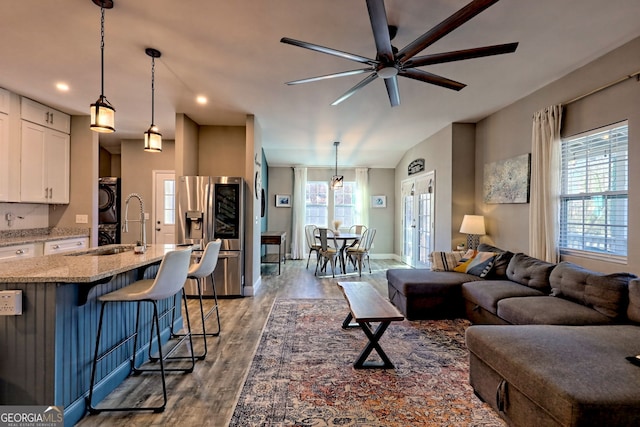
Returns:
point(593, 199)
point(316, 203)
point(344, 204)
point(319, 206)
point(169, 202)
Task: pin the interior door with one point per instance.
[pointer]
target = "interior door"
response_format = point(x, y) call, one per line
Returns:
point(418, 196)
point(164, 211)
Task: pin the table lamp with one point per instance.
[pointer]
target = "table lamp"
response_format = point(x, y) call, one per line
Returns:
point(473, 227)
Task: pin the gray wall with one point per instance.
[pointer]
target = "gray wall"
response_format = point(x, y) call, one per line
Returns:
point(450, 154)
point(381, 182)
point(507, 133)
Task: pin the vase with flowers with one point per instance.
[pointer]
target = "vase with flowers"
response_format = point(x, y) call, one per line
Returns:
point(336, 226)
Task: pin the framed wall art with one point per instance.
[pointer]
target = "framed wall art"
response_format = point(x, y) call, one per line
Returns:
point(283, 200)
point(378, 201)
point(507, 181)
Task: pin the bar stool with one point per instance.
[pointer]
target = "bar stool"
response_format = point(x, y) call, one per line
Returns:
point(199, 271)
point(168, 282)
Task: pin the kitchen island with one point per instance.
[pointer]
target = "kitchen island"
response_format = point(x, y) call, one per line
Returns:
point(46, 352)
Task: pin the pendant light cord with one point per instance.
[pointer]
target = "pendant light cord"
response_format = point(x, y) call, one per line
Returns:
point(336, 144)
point(102, 49)
point(153, 79)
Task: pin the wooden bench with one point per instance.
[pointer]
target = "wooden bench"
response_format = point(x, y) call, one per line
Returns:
point(366, 305)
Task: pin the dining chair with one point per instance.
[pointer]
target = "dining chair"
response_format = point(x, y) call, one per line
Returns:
point(169, 281)
point(329, 250)
point(312, 242)
point(361, 249)
point(199, 271)
point(357, 229)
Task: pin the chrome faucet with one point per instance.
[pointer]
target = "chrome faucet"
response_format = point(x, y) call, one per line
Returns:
point(125, 224)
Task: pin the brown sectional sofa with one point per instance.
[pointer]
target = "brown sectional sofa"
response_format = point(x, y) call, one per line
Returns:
point(549, 342)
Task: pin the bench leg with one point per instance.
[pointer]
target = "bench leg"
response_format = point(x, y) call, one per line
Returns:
point(374, 337)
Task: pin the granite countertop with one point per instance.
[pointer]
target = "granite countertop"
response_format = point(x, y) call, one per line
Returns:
point(35, 235)
point(79, 266)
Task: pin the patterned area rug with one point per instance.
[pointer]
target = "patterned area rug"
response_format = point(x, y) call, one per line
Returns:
point(303, 375)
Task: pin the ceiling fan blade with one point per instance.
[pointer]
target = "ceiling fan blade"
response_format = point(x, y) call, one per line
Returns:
point(392, 90)
point(380, 27)
point(458, 55)
point(371, 77)
point(434, 79)
point(443, 28)
point(331, 76)
point(329, 51)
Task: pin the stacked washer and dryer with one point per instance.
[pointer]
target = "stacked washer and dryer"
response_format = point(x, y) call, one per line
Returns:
point(109, 210)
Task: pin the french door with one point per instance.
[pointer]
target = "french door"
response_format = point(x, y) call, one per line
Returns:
point(418, 196)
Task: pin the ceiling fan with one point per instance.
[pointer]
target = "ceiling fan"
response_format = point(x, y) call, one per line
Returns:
point(391, 62)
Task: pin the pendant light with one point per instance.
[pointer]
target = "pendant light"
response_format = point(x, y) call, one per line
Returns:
point(153, 138)
point(336, 180)
point(103, 115)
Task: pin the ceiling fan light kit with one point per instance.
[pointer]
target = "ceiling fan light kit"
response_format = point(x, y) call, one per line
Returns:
point(391, 62)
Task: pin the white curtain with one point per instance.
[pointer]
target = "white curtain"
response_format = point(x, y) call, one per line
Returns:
point(545, 171)
point(298, 243)
point(362, 196)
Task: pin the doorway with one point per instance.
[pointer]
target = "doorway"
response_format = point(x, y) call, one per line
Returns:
point(418, 197)
point(164, 207)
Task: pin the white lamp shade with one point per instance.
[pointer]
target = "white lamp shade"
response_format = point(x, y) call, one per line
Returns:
point(473, 224)
point(153, 140)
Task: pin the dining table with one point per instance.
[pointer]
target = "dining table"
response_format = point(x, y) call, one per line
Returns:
point(347, 240)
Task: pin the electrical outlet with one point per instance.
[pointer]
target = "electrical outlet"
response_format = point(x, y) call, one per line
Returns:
point(10, 303)
point(146, 215)
point(82, 219)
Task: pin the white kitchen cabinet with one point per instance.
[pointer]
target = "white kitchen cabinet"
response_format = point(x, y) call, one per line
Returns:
point(4, 157)
point(67, 245)
point(35, 112)
point(4, 101)
point(27, 250)
point(44, 172)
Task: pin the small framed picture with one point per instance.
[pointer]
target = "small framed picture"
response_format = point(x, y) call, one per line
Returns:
point(283, 200)
point(378, 201)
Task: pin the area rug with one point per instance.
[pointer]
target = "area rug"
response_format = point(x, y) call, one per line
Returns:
point(302, 373)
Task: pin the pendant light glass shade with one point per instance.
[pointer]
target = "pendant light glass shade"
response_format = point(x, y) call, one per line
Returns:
point(153, 138)
point(103, 115)
point(336, 180)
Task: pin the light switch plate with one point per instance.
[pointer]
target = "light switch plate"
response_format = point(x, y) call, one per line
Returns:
point(82, 219)
point(10, 303)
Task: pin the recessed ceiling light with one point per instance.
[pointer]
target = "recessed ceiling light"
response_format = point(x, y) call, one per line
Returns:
point(62, 87)
point(201, 99)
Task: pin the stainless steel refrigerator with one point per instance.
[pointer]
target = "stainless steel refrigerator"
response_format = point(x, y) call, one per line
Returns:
point(210, 208)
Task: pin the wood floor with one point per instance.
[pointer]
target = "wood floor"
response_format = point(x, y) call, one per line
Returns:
point(207, 396)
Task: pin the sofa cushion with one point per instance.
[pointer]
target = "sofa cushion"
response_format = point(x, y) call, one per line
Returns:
point(606, 293)
point(547, 310)
point(422, 281)
point(578, 375)
point(633, 310)
point(444, 261)
point(486, 294)
point(530, 271)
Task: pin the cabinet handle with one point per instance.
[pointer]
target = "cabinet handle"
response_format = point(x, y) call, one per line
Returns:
point(46, 117)
point(46, 193)
point(51, 117)
point(51, 192)
point(19, 252)
point(78, 243)
point(56, 246)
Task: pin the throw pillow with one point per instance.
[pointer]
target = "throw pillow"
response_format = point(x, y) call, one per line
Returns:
point(499, 270)
point(465, 261)
point(633, 311)
point(481, 264)
point(445, 261)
